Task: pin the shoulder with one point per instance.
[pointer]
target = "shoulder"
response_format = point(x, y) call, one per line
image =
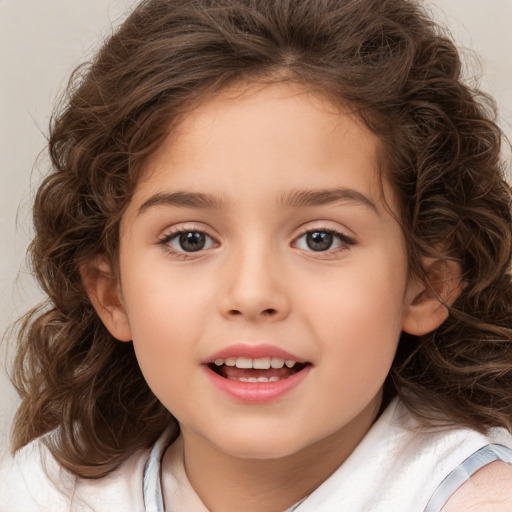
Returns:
point(31, 480)
point(488, 490)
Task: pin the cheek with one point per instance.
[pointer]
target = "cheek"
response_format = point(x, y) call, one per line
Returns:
point(358, 320)
point(366, 296)
point(164, 322)
point(163, 301)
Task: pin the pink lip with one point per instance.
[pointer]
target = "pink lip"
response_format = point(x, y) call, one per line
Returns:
point(252, 351)
point(256, 392)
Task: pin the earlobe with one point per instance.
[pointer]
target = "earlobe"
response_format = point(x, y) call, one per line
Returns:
point(428, 300)
point(103, 289)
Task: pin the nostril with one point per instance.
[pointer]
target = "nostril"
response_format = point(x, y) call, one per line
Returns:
point(254, 312)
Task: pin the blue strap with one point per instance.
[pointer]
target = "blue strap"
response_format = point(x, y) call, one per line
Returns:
point(462, 473)
point(152, 487)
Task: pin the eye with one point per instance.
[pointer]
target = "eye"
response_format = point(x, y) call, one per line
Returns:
point(186, 241)
point(322, 240)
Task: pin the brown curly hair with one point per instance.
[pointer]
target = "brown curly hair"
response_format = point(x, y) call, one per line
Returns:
point(441, 153)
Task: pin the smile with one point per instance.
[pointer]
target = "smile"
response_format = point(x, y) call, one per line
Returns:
point(262, 369)
point(255, 374)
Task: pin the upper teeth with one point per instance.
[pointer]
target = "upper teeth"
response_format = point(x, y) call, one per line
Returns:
point(262, 363)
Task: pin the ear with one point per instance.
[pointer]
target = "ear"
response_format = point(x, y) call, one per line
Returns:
point(102, 286)
point(428, 300)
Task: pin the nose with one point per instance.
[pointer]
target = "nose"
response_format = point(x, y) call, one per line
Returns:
point(255, 287)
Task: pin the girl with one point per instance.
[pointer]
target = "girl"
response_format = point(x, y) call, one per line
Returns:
point(276, 242)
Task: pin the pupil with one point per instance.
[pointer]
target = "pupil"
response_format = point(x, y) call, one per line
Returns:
point(192, 241)
point(319, 240)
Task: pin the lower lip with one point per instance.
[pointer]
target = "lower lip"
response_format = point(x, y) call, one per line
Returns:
point(256, 392)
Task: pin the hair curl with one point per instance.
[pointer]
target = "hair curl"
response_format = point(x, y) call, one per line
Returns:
point(441, 153)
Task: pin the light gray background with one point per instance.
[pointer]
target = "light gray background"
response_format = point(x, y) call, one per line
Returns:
point(42, 41)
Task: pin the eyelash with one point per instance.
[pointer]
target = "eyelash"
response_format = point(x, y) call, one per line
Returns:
point(166, 239)
point(343, 239)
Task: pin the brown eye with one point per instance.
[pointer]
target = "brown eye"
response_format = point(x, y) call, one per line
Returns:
point(319, 240)
point(192, 241)
point(187, 241)
point(323, 240)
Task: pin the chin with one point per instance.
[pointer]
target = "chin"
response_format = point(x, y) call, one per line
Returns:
point(254, 445)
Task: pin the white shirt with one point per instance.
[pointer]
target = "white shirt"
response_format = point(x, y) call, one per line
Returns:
point(397, 467)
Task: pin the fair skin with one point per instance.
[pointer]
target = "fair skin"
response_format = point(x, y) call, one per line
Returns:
point(259, 227)
point(488, 490)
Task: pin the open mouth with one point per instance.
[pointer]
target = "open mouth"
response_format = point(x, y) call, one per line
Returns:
point(263, 369)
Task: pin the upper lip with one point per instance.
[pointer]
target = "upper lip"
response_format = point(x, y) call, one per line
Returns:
point(255, 351)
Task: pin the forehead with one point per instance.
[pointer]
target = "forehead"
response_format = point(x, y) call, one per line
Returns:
point(278, 134)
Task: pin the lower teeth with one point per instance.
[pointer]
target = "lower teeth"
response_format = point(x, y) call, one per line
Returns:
point(259, 379)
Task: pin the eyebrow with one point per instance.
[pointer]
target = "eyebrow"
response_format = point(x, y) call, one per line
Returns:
point(293, 199)
point(305, 198)
point(182, 199)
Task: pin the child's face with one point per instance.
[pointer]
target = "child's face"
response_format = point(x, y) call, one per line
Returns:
point(259, 231)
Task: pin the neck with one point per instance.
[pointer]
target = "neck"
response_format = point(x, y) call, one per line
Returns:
point(225, 482)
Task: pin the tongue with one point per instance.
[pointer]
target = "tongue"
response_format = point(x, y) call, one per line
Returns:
point(232, 372)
